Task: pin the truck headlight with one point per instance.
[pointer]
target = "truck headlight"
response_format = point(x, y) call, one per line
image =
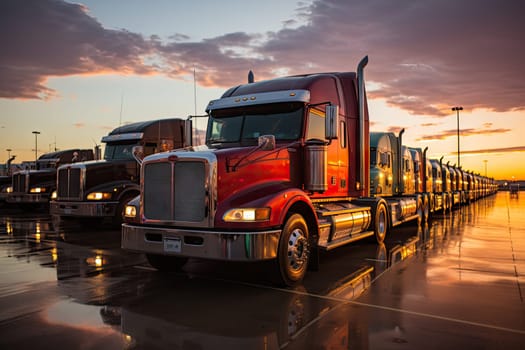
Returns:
point(9, 189)
point(247, 214)
point(37, 190)
point(130, 211)
point(97, 196)
point(54, 195)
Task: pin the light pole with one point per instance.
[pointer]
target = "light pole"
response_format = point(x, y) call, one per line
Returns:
point(485, 161)
point(8, 152)
point(457, 109)
point(36, 144)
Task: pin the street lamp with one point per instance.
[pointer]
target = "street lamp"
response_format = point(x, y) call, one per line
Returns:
point(485, 161)
point(36, 144)
point(8, 152)
point(457, 109)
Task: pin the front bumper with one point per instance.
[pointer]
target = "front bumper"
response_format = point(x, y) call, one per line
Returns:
point(83, 209)
point(233, 246)
point(24, 198)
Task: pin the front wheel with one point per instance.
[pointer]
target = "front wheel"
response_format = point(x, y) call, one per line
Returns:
point(293, 251)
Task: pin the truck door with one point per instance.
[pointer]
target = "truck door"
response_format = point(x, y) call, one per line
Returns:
point(337, 159)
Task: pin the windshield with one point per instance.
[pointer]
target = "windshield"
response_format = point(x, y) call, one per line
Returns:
point(244, 125)
point(119, 151)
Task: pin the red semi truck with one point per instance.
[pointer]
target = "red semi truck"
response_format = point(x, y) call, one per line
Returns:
point(285, 172)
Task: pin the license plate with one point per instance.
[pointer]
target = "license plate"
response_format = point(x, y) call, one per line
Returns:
point(172, 245)
point(67, 211)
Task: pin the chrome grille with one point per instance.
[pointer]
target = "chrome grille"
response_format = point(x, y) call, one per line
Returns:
point(19, 183)
point(69, 183)
point(175, 191)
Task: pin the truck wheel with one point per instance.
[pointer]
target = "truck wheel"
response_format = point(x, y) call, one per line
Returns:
point(380, 222)
point(293, 251)
point(420, 210)
point(166, 263)
point(426, 208)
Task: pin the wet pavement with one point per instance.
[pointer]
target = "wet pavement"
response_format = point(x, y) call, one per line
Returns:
point(458, 282)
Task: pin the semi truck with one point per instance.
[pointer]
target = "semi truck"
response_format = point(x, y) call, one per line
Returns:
point(99, 189)
point(285, 173)
point(393, 177)
point(35, 186)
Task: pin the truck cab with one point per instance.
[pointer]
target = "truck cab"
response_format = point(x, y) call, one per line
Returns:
point(100, 189)
point(392, 176)
point(36, 185)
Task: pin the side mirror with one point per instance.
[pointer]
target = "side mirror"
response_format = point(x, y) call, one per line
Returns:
point(266, 142)
point(331, 122)
point(138, 153)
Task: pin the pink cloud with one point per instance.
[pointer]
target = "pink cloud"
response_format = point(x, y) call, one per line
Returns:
point(426, 56)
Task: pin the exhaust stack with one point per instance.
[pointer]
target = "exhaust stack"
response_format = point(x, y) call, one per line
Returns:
point(362, 136)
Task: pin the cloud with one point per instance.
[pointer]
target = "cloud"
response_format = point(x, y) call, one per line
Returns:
point(496, 150)
point(424, 56)
point(47, 38)
point(463, 132)
point(427, 55)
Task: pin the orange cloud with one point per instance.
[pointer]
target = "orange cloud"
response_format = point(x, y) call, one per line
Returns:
point(463, 132)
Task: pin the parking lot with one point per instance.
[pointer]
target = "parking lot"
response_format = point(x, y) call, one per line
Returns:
point(457, 282)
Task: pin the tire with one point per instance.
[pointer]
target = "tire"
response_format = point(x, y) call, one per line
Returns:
point(380, 222)
point(420, 210)
point(293, 252)
point(166, 263)
point(426, 208)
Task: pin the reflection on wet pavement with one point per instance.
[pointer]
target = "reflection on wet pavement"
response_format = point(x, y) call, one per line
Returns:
point(456, 282)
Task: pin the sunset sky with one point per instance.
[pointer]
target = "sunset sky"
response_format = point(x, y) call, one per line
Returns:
point(75, 70)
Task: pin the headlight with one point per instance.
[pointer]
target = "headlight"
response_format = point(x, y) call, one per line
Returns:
point(37, 190)
point(130, 211)
point(246, 214)
point(97, 196)
point(54, 195)
point(9, 189)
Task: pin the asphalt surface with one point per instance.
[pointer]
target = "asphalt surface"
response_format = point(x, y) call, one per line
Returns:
point(458, 282)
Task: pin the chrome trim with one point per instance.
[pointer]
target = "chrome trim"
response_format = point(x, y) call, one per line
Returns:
point(260, 98)
point(219, 245)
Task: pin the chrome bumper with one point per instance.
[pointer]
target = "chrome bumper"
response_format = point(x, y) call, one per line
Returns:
point(27, 198)
point(95, 209)
point(233, 246)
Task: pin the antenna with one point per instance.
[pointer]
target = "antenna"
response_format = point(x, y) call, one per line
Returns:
point(195, 90)
point(194, 99)
point(121, 104)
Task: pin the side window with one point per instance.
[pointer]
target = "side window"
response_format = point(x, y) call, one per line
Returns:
point(342, 134)
point(315, 125)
